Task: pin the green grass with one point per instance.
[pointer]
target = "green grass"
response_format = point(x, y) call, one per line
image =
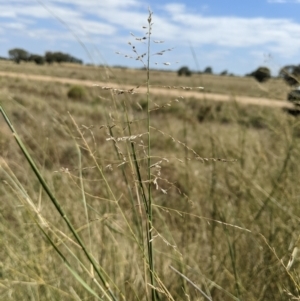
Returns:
point(224, 196)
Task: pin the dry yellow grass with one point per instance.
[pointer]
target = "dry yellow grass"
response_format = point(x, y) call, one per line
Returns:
point(208, 216)
point(244, 86)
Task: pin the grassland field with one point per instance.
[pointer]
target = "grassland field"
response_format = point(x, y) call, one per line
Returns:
point(225, 188)
point(234, 85)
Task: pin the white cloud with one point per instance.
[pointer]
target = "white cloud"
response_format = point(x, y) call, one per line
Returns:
point(15, 25)
point(52, 35)
point(75, 19)
point(104, 18)
point(273, 34)
point(36, 11)
point(96, 3)
point(7, 14)
point(107, 22)
point(175, 8)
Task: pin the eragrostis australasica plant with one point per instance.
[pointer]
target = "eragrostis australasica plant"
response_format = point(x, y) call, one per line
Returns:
point(114, 200)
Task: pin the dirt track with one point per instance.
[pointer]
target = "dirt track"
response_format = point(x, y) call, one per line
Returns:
point(158, 91)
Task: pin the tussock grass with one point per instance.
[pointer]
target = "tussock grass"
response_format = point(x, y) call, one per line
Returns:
point(76, 93)
point(220, 230)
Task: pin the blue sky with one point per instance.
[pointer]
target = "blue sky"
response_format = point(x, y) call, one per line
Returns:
point(237, 35)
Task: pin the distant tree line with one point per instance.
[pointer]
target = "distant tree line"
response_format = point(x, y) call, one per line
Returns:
point(18, 55)
point(187, 72)
point(290, 74)
point(261, 74)
point(184, 71)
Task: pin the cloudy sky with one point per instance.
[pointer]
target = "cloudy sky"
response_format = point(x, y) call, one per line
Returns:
point(237, 35)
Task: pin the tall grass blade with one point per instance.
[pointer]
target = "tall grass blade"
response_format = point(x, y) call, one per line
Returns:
point(55, 202)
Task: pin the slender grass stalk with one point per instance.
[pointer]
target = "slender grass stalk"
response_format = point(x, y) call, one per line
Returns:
point(214, 212)
point(42, 223)
point(192, 283)
point(233, 259)
point(56, 203)
point(108, 186)
point(136, 218)
point(149, 232)
point(83, 195)
point(275, 185)
point(146, 201)
point(68, 265)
